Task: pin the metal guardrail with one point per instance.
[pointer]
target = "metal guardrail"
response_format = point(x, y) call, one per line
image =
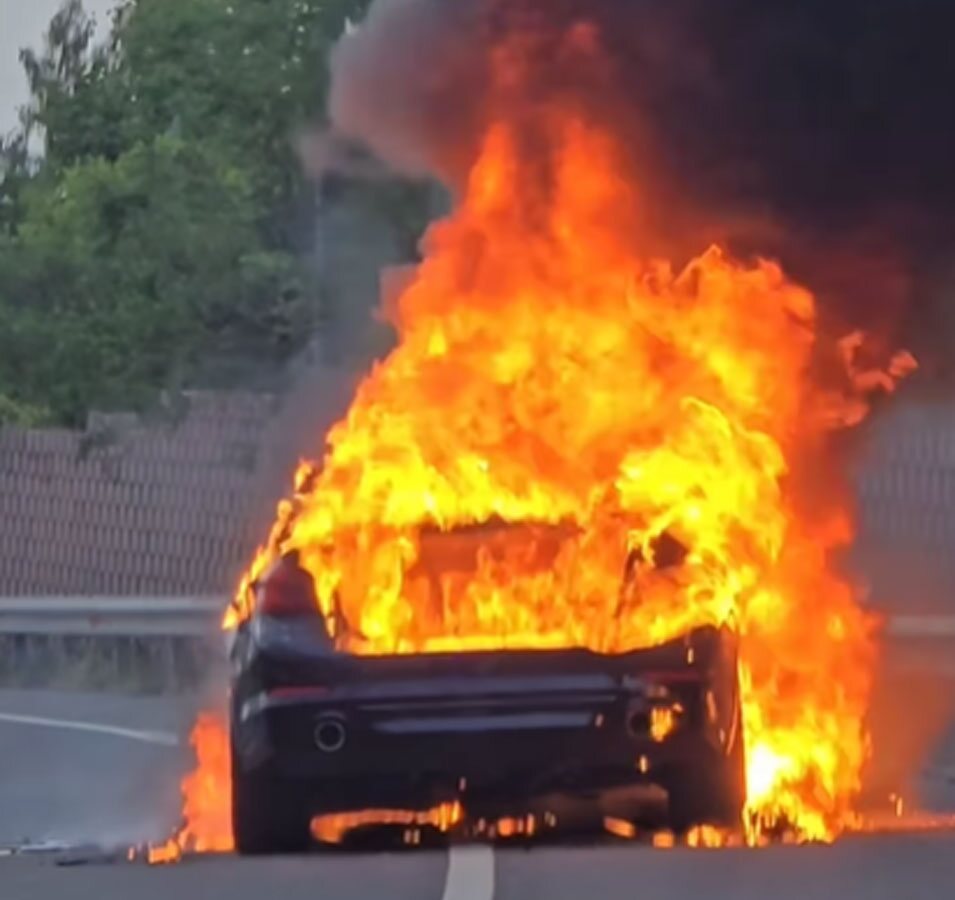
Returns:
point(199, 616)
point(132, 617)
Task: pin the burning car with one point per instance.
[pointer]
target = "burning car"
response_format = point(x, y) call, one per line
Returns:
point(634, 519)
point(564, 736)
point(576, 530)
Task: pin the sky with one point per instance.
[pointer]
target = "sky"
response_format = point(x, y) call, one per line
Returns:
point(22, 24)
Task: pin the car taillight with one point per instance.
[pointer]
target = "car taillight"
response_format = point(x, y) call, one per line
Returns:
point(281, 599)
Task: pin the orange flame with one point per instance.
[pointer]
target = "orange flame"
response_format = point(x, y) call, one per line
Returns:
point(663, 720)
point(206, 809)
point(332, 828)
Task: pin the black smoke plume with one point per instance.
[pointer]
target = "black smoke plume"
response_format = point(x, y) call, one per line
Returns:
point(819, 133)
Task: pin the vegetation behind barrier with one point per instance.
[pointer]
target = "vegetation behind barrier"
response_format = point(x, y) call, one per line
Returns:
point(157, 225)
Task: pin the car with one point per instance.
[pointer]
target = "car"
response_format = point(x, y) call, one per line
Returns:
point(570, 736)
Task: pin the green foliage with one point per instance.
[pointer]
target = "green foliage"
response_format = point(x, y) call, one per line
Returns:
point(128, 271)
point(14, 413)
point(163, 228)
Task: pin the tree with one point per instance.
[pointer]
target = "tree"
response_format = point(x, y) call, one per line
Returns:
point(161, 234)
point(245, 76)
point(163, 263)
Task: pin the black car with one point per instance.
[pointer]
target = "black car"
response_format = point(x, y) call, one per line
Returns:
point(650, 736)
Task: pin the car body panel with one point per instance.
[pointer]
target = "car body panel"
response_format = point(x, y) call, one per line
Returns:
point(503, 732)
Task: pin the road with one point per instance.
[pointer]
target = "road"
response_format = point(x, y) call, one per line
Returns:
point(117, 784)
point(59, 783)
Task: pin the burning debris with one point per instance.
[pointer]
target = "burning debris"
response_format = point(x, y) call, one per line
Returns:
point(554, 372)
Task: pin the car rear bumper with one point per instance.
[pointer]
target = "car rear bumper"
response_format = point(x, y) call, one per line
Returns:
point(509, 748)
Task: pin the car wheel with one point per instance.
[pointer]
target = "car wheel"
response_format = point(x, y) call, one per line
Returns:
point(266, 817)
point(712, 793)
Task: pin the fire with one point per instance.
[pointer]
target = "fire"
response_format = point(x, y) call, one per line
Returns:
point(332, 829)
point(550, 375)
point(621, 828)
point(663, 720)
point(206, 810)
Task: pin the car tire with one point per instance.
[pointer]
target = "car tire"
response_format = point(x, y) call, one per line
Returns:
point(712, 793)
point(266, 816)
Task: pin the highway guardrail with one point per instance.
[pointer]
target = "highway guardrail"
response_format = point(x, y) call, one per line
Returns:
point(198, 616)
point(132, 617)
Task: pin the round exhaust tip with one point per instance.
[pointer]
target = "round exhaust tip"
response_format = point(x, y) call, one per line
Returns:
point(329, 735)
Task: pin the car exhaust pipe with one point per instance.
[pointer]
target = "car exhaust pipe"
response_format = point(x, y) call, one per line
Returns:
point(330, 735)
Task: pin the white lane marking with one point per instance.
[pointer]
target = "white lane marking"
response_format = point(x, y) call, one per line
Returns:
point(470, 874)
point(163, 738)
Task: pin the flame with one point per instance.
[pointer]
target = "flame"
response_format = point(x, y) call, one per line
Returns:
point(663, 840)
point(662, 722)
point(332, 828)
point(621, 828)
point(514, 826)
point(550, 375)
point(207, 809)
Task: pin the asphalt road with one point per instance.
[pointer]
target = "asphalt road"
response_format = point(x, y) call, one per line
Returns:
point(117, 784)
point(59, 783)
point(864, 868)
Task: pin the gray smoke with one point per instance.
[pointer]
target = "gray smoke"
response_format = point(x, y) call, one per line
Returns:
point(404, 83)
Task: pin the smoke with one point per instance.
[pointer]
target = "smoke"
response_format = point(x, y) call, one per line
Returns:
point(820, 134)
point(407, 83)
